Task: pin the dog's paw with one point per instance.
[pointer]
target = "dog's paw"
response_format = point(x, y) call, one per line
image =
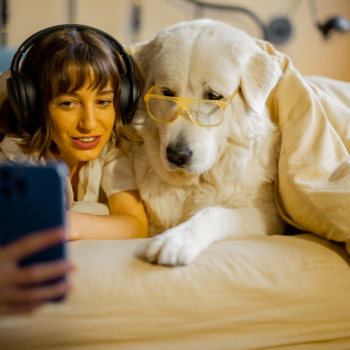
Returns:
point(176, 246)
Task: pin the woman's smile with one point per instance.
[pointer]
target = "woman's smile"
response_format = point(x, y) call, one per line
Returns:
point(87, 142)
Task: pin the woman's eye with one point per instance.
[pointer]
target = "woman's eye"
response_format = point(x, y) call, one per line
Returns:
point(167, 92)
point(67, 104)
point(213, 96)
point(104, 103)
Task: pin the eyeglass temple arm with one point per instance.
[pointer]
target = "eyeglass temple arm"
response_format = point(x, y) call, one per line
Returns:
point(230, 98)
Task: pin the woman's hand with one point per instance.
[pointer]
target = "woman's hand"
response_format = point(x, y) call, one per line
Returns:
point(16, 294)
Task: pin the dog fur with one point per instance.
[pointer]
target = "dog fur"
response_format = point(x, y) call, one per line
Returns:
point(225, 190)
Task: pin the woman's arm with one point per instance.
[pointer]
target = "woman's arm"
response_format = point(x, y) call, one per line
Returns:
point(127, 220)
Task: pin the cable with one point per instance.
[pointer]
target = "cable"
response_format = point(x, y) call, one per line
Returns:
point(264, 29)
point(279, 31)
point(337, 24)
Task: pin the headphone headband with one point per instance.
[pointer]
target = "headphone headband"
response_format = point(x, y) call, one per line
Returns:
point(39, 35)
point(24, 103)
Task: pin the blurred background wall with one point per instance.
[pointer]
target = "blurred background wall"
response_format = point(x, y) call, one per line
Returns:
point(137, 20)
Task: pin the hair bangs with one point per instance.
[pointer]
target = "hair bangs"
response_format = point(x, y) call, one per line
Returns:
point(83, 66)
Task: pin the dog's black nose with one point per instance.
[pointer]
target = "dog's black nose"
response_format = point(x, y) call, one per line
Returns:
point(178, 156)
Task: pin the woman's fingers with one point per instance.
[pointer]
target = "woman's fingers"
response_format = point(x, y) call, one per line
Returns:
point(33, 296)
point(32, 243)
point(42, 272)
point(14, 309)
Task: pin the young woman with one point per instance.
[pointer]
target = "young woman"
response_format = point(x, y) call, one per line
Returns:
point(76, 72)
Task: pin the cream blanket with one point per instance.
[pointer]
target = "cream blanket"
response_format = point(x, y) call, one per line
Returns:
point(313, 189)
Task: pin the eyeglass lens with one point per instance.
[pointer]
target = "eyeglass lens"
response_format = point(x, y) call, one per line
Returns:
point(163, 109)
point(206, 113)
point(202, 113)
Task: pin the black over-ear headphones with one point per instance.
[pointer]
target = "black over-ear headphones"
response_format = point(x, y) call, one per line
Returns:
point(22, 92)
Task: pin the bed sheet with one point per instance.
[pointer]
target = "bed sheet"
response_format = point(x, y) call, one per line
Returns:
point(260, 292)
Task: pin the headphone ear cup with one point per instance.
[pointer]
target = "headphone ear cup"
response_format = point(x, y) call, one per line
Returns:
point(124, 97)
point(13, 96)
point(135, 98)
point(22, 96)
point(30, 94)
point(129, 98)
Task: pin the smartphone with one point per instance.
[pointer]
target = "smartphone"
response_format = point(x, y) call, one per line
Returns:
point(32, 199)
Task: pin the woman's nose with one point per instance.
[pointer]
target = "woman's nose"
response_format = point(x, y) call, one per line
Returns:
point(88, 119)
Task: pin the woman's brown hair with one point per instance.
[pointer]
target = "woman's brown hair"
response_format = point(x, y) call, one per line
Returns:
point(64, 61)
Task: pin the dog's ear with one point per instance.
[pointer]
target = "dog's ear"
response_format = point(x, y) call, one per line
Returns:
point(258, 77)
point(146, 56)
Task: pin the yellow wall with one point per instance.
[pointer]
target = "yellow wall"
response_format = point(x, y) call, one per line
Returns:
point(310, 53)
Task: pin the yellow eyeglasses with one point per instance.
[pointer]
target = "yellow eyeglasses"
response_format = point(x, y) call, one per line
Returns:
point(166, 109)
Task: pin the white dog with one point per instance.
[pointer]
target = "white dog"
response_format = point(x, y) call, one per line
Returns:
point(203, 184)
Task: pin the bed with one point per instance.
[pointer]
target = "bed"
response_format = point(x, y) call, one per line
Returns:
point(258, 292)
point(279, 292)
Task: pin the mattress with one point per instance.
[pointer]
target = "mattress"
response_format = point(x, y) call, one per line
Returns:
point(259, 292)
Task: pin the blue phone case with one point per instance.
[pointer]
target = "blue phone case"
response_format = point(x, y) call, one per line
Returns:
point(32, 199)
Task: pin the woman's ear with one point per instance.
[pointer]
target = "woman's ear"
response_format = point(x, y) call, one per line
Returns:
point(258, 77)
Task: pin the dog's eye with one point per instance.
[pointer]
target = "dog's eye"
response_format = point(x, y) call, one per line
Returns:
point(167, 92)
point(213, 96)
